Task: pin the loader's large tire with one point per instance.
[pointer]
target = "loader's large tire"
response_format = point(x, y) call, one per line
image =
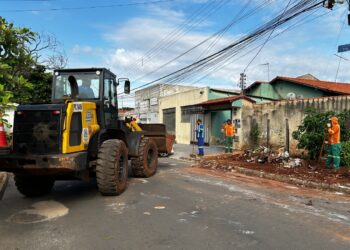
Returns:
point(112, 167)
point(145, 165)
point(34, 185)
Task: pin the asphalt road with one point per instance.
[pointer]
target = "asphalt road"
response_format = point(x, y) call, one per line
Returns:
point(177, 209)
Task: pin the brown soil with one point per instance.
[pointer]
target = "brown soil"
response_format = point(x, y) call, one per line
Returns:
point(310, 170)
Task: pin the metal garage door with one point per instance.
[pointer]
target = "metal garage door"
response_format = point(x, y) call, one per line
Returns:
point(169, 120)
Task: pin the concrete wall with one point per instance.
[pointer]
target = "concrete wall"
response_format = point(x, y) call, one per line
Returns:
point(190, 97)
point(277, 112)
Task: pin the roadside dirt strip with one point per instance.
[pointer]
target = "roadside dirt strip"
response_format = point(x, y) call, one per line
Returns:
point(4, 177)
point(314, 177)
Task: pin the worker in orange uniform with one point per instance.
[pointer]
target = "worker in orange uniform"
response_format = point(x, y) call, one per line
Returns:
point(229, 134)
point(334, 146)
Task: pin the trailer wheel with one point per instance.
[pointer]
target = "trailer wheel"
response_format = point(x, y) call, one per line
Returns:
point(145, 165)
point(112, 167)
point(34, 185)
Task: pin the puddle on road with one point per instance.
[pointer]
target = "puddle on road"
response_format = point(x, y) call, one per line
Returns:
point(41, 211)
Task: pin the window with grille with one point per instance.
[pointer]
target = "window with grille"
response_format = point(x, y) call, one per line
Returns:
point(187, 111)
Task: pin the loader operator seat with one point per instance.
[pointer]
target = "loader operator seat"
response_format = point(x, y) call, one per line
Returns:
point(85, 91)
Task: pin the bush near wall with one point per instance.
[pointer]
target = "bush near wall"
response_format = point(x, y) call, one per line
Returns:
point(312, 131)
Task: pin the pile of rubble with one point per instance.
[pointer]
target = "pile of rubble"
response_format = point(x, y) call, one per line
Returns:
point(266, 155)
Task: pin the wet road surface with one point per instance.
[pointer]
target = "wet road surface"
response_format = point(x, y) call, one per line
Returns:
point(179, 208)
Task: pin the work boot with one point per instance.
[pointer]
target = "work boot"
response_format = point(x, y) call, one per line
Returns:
point(231, 151)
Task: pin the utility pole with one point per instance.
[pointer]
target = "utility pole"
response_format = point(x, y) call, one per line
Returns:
point(349, 12)
point(242, 82)
point(268, 70)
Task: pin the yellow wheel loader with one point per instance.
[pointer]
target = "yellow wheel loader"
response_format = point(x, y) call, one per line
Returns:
point(79, 136)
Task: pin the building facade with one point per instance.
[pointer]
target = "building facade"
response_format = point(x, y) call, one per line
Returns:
point(147, 100)
point(179, 112)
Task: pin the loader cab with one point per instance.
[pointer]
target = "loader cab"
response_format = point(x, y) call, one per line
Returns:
point(97, 85)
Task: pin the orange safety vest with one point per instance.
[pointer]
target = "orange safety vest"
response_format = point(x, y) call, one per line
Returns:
point(229, 130)
point(334, 132)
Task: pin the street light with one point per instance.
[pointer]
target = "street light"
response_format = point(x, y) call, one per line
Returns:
point(340, 58)
point(268, 70)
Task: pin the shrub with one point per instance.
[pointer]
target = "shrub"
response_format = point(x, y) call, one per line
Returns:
point(311, 132)
point(345, 153)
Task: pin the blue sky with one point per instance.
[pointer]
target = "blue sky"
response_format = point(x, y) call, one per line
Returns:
point(118, 37)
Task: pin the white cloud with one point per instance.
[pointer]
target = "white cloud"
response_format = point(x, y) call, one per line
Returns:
point(305, 49)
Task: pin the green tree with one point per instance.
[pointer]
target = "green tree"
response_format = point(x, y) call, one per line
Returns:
point(15, 60)
point(23, 78)
point(41, 80)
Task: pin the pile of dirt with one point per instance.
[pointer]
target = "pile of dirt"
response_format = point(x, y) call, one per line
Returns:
point(306, 170)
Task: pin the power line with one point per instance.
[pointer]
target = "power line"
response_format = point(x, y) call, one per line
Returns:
point(170, 39)
point(296, 10)
point(218, 33)
point(268, 38)
point(293, 26)
point(90, 7)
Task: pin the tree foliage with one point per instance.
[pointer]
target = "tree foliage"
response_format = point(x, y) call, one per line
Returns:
point(312, 131)
point(22, 65)
point(15, 61)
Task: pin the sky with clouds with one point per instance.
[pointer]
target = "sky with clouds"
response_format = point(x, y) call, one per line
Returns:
point(136, 40)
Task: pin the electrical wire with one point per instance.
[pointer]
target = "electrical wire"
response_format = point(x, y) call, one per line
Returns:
point(296, 10)
point(218, 33)
point(89, 7)
point(168, 41)
point(266, 41)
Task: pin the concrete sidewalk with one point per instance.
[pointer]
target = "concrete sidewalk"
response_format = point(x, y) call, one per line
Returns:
point(183, 151)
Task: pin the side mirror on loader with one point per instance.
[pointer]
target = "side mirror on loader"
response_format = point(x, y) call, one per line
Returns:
point(126, 85)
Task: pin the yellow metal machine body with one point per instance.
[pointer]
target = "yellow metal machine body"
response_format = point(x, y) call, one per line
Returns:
point(80, 125)
point(133, 126)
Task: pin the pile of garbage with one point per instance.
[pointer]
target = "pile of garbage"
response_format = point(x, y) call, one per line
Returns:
point(266, 155)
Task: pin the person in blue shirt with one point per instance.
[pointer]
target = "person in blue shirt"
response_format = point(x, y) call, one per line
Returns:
point(85, 91)
point(200, 137)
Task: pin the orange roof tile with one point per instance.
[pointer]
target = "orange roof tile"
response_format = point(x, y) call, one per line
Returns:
point(336, 87)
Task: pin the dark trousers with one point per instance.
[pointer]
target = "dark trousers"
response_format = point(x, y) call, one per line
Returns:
point(229, 144)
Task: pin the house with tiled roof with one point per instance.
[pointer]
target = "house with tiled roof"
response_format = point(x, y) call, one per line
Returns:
point(288, 88)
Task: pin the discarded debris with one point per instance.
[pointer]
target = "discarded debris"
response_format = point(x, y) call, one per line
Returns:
point(276, 162)
point(309, 203)
point(293, 163)
point(159, 207)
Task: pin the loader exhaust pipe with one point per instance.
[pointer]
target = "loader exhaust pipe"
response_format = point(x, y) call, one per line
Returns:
point(74, 87)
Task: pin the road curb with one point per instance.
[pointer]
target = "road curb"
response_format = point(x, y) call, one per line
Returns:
point(4, 177)
point(293, 180)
